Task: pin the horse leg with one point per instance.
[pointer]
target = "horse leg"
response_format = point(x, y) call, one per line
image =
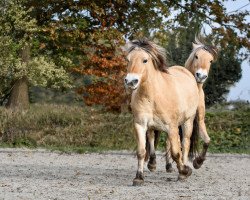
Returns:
point(141, 152)
point(152, 156)
point(187, 128)
point(198, 161)
point(184, 171)
point(169, 167)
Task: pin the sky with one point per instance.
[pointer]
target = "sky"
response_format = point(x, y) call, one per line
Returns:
point(241, 89)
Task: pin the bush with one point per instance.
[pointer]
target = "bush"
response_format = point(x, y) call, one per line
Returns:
point(84, 128)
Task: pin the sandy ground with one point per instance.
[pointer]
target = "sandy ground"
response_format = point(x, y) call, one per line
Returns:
point(40, 174)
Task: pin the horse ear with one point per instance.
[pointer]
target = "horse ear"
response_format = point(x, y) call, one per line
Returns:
point(195, 46)
point(127, 46)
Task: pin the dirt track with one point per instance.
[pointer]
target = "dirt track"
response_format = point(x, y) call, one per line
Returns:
point(39, 174)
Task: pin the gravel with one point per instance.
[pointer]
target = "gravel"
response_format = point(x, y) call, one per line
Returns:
point(41, 174)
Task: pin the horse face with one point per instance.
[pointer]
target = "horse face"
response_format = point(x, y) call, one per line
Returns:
point(138, 61)
point(202, 63)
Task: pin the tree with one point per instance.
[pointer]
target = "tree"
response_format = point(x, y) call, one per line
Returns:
point(223, 73)
point(88, 32)
point(20, 63)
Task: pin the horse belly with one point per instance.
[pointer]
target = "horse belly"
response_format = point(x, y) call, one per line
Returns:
point(158, 124)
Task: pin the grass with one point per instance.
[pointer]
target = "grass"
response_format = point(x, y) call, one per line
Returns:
point(85, 129)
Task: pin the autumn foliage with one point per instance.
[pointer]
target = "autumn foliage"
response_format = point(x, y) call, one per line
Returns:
point(105, 67)
point(84, 38)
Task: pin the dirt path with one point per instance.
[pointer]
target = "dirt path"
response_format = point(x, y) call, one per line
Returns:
point(40, 174)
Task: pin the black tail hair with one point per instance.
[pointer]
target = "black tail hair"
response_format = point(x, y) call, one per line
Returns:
point(156, 141)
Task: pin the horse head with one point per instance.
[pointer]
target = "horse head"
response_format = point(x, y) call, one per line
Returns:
point(200, 60)
point(143, 56)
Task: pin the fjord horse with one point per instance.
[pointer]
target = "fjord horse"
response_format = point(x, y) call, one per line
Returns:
point(162, 99)
point(198, 63)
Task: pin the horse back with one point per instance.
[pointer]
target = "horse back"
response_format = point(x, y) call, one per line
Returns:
point(183, 93)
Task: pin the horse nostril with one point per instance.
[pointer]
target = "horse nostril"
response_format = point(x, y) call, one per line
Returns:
point(126, 81)
point(205, 76)
point(197, 74)
point(135, 81)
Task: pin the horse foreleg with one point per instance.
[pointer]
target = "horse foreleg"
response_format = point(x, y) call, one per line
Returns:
point(151, 149)
point(141, 152)
point(169, 167)
point(184, 171)
point(198, 161)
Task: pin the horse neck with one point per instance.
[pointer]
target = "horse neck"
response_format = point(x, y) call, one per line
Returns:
point(200, 86)
point(190, 67)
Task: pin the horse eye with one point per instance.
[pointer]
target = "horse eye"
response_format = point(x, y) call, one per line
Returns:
point(196, 56)
point(145, 61)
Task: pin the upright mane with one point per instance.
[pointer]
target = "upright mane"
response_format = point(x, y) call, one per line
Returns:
point(198, 46)
point(157, 53)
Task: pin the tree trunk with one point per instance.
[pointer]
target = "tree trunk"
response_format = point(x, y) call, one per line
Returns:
point(19, 95)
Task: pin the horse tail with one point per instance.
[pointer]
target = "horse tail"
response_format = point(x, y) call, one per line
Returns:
point(194, 140)
point(156, 141)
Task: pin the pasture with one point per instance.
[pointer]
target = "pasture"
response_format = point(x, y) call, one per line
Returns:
point(40, 174)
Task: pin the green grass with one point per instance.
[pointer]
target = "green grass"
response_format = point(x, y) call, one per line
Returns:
point(83, 129)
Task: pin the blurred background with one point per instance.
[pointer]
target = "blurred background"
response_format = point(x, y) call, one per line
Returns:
point(62, 68)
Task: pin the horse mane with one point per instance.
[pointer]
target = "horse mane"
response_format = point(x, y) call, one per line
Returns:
point(157, 52)
point(198, 46)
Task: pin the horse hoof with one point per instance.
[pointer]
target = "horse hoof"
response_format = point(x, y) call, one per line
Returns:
point(185, 173)
point(169, 168)
point(138, 182)
point(139, 179)
point(151, 167)
point(198, 162)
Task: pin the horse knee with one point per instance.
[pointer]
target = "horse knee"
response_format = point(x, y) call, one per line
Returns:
point(141, 154)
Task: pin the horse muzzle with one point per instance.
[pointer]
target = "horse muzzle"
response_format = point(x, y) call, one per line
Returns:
point(200, 76)
point(132, 81)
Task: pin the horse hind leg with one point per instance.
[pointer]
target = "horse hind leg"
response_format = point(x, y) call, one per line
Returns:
point(187, 129)
point(152, 136)
point(169, 167)
point(198, 161)
point(184, 170)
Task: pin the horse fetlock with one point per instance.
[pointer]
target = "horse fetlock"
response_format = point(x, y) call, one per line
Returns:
point(186, 170)
point(152, 164)
point(152, 159)
point(139, 179)
point(169, 168)
point(198, 162)
point(184, 173)
point(205, 145)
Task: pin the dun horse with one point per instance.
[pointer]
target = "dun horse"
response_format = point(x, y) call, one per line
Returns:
point(162, 99)
point(198, 63)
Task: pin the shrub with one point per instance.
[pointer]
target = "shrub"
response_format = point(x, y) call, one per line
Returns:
point(86, 128)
